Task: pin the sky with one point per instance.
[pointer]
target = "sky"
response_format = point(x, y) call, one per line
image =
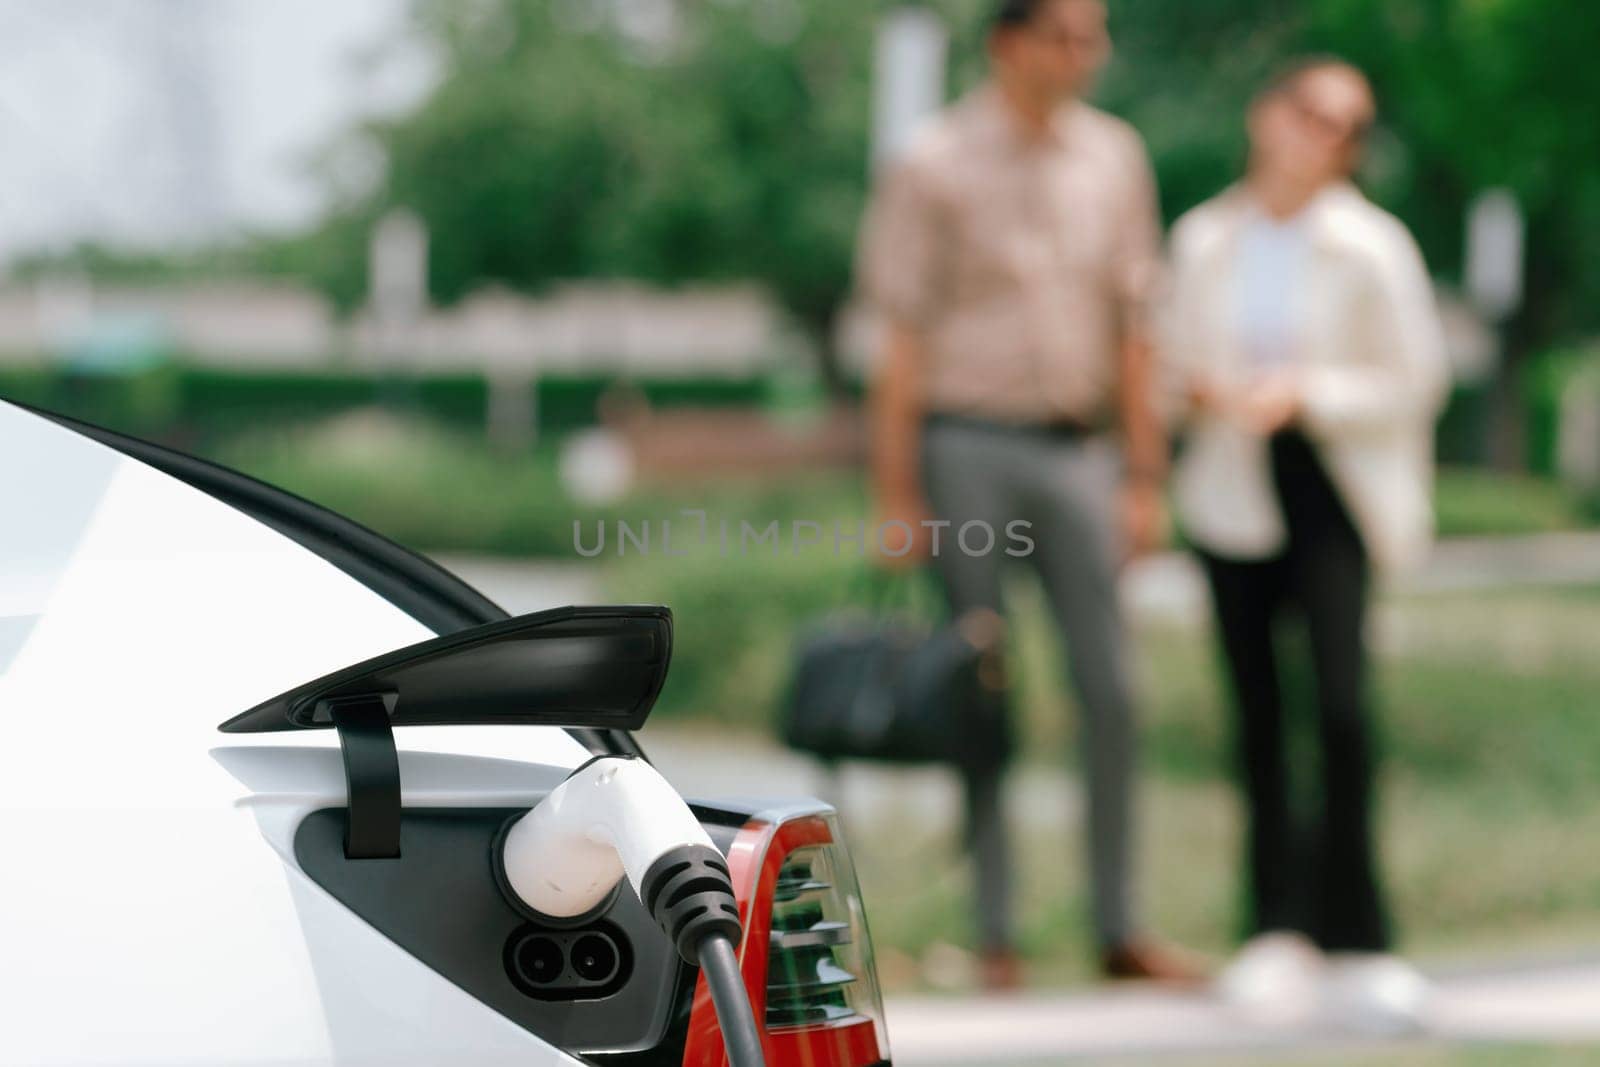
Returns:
point(152, 123)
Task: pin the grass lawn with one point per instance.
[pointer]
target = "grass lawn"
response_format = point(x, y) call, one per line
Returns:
point(438, 490)
point(1478, 503)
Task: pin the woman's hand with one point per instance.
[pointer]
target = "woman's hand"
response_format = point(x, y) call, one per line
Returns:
point(1272, 404)
point(1263, 407)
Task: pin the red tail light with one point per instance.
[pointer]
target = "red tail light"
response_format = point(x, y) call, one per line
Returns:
point(806, 957)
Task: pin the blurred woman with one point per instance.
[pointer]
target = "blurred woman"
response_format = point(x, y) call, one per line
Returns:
point(1304, 328)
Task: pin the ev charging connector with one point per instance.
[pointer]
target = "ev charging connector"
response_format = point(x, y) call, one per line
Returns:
point(614, 818)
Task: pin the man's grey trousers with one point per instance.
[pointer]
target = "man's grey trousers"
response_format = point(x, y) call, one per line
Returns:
point(1066, 488)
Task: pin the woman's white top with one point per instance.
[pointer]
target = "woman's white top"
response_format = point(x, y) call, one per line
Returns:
point(1271, 261)
point(1341, 299)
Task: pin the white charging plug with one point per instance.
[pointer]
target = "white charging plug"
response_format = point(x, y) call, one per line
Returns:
point(613, 817)
point(616, 817)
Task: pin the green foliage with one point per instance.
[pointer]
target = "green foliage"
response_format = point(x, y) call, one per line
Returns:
point(440, 489)
point(731, 666)
point(1474, 502)
point(1464, 671)
point(561, 144)
point(1184, 74)
point(1545, 381)
point(417, 484)
point(332, 256)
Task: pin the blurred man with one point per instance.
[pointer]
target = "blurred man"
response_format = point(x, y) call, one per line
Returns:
point(1011, 251)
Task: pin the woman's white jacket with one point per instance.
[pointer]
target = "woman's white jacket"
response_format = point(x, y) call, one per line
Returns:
point(1372, 367)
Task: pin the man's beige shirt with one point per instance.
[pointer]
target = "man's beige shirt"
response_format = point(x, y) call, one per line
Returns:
point(1021, 260)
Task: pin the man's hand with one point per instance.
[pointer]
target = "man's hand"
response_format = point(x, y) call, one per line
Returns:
point(897, 508)
point(1144, 519)
point(1208, 397)
point(895, 405)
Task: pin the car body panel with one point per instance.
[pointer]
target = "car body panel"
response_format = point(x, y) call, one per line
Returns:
point(147, 912)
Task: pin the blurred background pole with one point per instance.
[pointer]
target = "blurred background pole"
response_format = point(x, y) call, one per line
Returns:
point(397, 293)
point(1496, 238)
point(908, 84)
point(909, 80)
point(513, 415)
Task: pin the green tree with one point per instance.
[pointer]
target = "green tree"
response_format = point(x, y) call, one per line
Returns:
point(561, 143)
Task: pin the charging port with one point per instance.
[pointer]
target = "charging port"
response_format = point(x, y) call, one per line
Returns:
point(582, 964)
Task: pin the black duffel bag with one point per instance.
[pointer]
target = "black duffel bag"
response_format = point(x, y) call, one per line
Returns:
point(896, 692)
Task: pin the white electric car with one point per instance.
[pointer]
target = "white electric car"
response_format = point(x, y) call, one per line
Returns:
point(220, 847)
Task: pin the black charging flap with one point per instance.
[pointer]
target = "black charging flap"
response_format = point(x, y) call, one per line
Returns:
point(597, 667)
point(585, 666)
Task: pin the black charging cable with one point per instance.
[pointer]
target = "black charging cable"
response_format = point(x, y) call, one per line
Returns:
point(720, 965)
point(689, 892)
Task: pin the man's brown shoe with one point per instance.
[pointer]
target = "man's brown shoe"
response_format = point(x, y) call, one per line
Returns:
point(1000, 971)
point(1145, 959)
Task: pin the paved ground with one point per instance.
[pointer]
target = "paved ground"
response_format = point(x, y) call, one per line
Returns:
point(1550, 1003)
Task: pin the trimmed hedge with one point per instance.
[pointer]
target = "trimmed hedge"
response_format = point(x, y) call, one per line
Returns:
point(175, 402)
point(190, 405)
